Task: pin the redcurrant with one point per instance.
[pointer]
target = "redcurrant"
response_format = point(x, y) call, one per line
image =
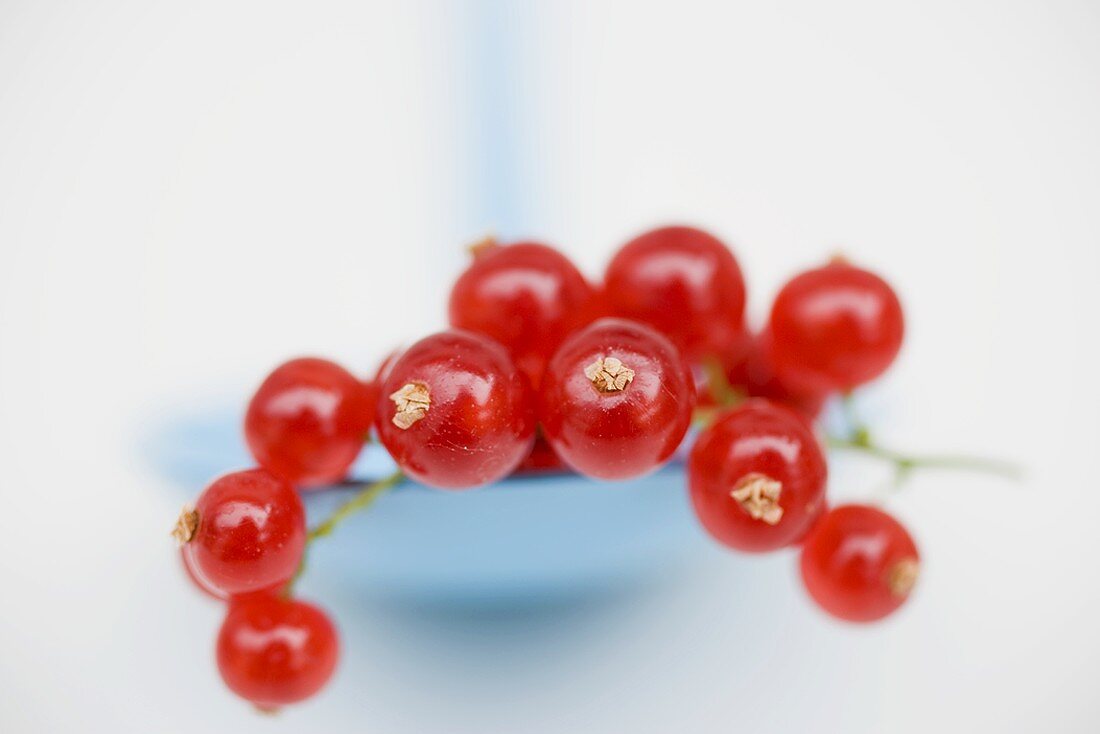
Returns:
point(859, 563)
point(454, 412)
point(198, 580)
point(308, 421)
point(835, 328)
point(526, 296)
point(245, 533)
point(384, 368)
point(756, 477)
point(214, 593)
point(616, 400)
point(755, 374)
point(683, 282)
point(273, 651)
point(542, 460)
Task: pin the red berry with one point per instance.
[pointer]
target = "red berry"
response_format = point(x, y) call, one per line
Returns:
point(859, 564)
point(198, 580)
point(526, 296)
point(214, 593)
point(273, 651)
point(308, 421)
point(756, 375)
point(542, 460)
point(835, 328)
point(454, 413)
point(616, 400)
point(756, 477)
point(246, 533)
point(683, 282)
point(384, 368)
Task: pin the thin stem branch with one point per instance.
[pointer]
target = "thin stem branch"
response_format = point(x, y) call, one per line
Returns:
point(361, 500)
point(857, 429)
point(905, 463)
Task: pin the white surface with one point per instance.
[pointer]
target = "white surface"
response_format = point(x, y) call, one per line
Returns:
point(190, 192)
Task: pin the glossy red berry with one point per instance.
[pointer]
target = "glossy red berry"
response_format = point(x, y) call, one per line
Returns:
point(308, 421)
point(526, 296)
point(455, 413)
point(542, 460)
point(383, 370)
point(245, 533)
point(835, 328)
point(616, 400)
point(755, 374)
point(757, 477)
point(859, 563)
point(683, 282)
point(212, 592)
point(273, 651)
point(197, 579)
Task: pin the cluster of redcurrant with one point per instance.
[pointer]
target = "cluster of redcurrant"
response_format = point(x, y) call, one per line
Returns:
point(543, 371)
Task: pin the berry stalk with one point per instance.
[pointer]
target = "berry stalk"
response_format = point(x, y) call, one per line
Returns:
point(361, 500)
point(722, 392)
point(859, 439)
point(905, 463)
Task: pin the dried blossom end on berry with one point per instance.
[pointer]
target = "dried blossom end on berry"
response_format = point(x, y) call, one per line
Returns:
point(186, 525)
point(609, 374)
point(902, 577)
point(412, 403)
point(759, 495)
point(484, 246)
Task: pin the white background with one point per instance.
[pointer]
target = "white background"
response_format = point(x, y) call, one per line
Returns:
point(191, 192)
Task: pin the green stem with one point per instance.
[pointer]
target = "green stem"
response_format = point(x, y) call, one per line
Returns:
point(361, 500)
point(858, 430)
point(703, 417)
point(905, 463)
point(724, 394)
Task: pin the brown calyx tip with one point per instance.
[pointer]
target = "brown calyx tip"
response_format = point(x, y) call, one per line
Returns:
point(839, 258)
point(186, 525)
point(609, 374)
point(485, 245)
point(902, 576)
point(412, 403)
point(758, 495)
